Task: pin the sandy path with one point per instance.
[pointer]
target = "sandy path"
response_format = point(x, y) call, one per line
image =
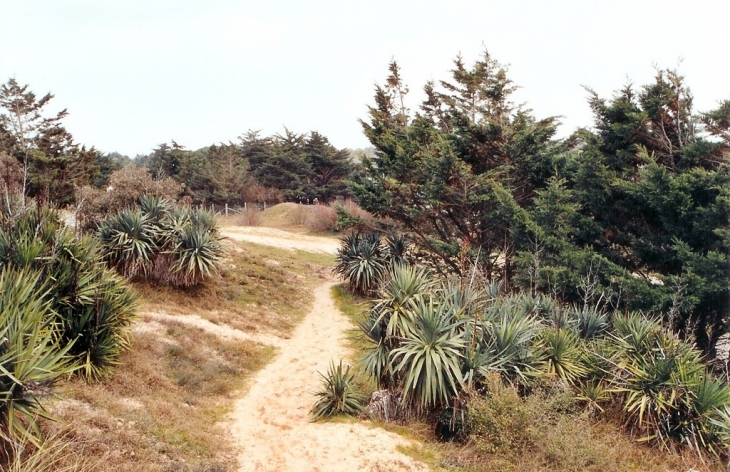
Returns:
point(271, 423)
point(281, 239)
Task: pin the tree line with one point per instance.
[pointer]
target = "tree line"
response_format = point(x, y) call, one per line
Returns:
point(634, 209)
point(40, 159)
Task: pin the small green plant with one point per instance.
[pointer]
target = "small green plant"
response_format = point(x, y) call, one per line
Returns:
point(338, 395)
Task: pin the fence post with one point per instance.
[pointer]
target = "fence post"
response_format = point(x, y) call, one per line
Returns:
point(244, 206)
point(226, 208)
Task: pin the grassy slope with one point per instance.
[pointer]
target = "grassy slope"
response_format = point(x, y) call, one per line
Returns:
point(162, 409)
point(534, 438)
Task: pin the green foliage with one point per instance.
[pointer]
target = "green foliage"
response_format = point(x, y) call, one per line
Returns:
point(31, 355)
point(561, 355)
point(338, 395)
point(430, 356)
point(49, 165)
point(640, 205)
point(458, 173)
point(91, 307)
point(129, 241)
point(170, 245)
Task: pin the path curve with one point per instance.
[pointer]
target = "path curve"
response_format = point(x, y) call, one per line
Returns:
point(281, 239)
point(271, 423)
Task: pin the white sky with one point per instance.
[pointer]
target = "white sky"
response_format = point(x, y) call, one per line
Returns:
point(137, 73)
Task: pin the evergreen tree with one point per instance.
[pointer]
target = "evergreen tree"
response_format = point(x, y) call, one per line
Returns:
point(52, 164)
point(653, 184)
point(459, 174)
point(329, 168)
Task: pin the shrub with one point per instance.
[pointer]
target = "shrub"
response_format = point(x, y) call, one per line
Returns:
point(338, 395)
point(322, 219)
point(126, 186)
point(31, 355)
point(158, 242)
point(250, 216)
point(90, 306)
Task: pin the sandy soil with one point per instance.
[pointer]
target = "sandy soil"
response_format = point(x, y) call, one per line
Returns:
point(271, 423)
point(281, 239)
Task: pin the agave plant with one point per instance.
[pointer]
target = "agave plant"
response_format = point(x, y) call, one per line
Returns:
point(429, 358)
point(338, 395)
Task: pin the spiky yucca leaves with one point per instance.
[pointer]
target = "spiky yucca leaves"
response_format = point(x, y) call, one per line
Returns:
point(560, 354)
point(195, 257)
point(31, 354)
point(361, 262)
point(94, 307)
point(511, 332)
point(155, 207)
point(666, 391)
point(158, 242)
point(397, 250)
point(429, 358)
point(129, 240)
point(205, 221)
point(375, 360)
point(636, 333)
point(591, 322)
point(91, 307)
point(338, 395)
point(401, 290)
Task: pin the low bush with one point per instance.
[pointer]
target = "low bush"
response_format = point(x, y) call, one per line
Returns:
point(177, 246)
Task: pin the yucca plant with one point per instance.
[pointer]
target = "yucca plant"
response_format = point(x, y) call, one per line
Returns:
point(511, 332)
point(206, 221)
point(560, 354)
point(360, 261)
point(89, 306)
point(590, 320)
point(129, 240)
point(403, 287)
point(659, 387)
point(375, 360)
point(338, 395)
point(94, 308)
point(195, 257)
point(31, 354)
point(155, 207)
point(636, 333)
point(397, 250)
point(429, 358)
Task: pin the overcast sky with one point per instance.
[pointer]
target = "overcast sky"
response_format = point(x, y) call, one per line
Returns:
point(136, 73)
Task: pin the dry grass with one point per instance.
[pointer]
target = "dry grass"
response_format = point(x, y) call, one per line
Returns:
point(165, 407)
point(259, 289)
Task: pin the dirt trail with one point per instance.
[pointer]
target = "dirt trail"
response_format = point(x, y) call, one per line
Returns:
point(271, 422)
point(281, 239)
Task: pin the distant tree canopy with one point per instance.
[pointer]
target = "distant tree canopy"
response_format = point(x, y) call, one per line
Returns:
point(282, 167)
point(636, 208)
point(38, 157)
